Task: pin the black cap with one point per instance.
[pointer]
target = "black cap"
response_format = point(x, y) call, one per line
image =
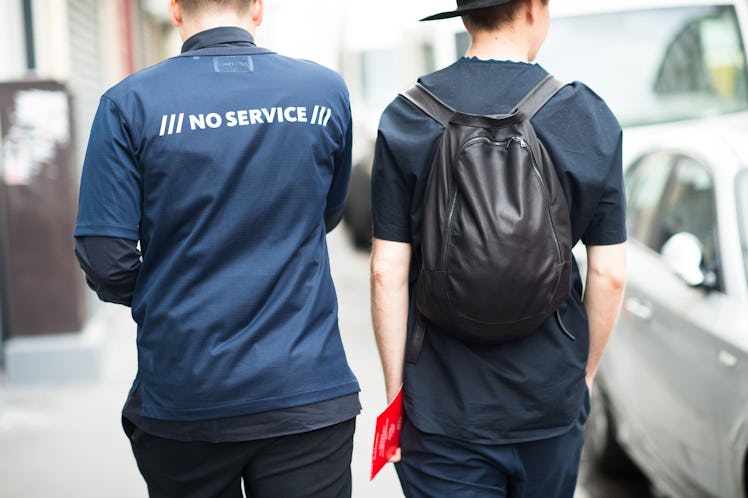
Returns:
point(465, 7)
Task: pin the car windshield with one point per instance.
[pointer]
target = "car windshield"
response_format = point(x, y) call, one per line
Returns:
point(742, 193)
point(654, 65)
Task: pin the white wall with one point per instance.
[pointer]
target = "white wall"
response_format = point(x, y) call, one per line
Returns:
point(308, 30)
point(13, 61)
point(52, 39)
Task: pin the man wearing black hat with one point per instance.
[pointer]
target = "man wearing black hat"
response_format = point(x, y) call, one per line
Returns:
point(507, 419)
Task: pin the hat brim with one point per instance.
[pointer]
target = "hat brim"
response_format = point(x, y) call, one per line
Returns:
point(465, 9)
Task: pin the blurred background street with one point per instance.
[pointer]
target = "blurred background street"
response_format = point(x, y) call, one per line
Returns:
point(672, 388)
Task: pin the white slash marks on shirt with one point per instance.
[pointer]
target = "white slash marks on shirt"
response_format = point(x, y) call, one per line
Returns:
point(170, 119)
point(321, 115)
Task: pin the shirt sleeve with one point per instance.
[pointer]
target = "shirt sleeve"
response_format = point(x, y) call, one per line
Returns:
point(110, 192)
point(608, 223)
point(111, 266)
point(405, 142)
point(339, 186)
point(584, 140)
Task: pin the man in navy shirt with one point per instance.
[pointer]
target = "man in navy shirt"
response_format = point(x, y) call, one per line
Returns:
point(227, 165)
point(504, 420)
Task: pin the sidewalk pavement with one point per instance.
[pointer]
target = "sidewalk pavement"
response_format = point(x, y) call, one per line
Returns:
point(66, 439)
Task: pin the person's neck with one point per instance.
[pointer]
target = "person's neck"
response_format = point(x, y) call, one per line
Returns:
point(215, 20)
point(500, 45)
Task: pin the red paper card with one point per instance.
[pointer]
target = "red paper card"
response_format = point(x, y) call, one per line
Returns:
point(387, 434)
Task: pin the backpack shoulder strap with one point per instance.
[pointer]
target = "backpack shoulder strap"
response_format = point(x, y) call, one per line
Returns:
point(538, 96)
point(429, 103)
point(442, 113)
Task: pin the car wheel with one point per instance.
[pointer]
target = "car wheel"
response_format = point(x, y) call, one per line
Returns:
point(601, 441)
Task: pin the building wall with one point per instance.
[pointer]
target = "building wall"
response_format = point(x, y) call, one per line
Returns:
point(85, 62)
point(11, 39)
point(51, 39)
point(87, 46)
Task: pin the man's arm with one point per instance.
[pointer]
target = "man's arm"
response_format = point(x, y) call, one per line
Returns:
point(606, 279)
point(111, 266)
point(390, 264)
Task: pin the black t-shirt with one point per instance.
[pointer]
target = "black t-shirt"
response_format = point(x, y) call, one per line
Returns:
point(532, 388)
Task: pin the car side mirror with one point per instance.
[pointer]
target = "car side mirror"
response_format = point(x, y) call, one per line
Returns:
point(683, 254)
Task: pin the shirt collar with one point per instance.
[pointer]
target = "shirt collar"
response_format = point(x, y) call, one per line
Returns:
point(217, 37)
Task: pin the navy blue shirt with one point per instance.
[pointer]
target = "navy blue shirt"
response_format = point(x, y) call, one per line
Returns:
point(226, 163)
point(527, 389)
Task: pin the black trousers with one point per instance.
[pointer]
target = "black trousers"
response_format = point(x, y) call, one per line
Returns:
point(436, 466)
point(311, 464)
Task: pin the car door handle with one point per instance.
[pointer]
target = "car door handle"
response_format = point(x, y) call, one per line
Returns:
point(638, 308)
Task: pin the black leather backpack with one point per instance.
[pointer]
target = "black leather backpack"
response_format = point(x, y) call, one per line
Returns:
point(496, 234)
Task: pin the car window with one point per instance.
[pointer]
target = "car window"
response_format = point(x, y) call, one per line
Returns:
point(654, 65)
point(645, 185)
point(689, 206)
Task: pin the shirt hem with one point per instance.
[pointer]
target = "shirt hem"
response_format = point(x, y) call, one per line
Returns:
point(519, 437)
point(225, 430)
point(391, 235)
point(248, 407)
point(106, 231)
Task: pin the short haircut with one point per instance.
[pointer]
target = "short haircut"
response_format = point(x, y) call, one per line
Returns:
point(193, 6)
point(492, 18)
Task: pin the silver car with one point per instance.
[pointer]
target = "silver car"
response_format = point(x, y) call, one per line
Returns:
point(672, 391)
